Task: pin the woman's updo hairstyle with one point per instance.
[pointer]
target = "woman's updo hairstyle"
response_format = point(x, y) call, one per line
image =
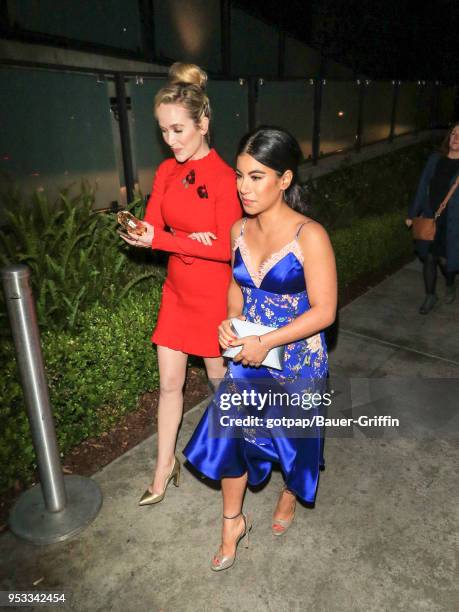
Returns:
point(277, 149)
point(186, 86)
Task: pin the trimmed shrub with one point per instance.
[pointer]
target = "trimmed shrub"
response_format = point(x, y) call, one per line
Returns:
point(372, 188)
point(370, 244)
point(94, 377)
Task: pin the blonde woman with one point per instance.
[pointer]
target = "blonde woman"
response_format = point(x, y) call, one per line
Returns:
point(194, 195)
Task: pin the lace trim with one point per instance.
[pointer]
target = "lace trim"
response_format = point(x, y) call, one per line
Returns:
point(270, 262)
point(314, 343)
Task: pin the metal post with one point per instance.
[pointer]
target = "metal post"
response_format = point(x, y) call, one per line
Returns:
point(124, 136)
point(147, 30)
point(252, 83)
point(59, 507)
point(5, 22)
point(225, 13)
point(417, 118)
point(393, 116)
point(318, 85)
point(434, 105)
point(358, 137)
point(281, 54)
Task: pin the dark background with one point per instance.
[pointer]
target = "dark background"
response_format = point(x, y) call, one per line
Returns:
point(382, 39)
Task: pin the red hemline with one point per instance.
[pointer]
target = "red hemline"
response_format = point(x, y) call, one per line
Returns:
point(183, 349)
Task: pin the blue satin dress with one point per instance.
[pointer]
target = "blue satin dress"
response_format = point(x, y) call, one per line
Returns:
point(274, 295)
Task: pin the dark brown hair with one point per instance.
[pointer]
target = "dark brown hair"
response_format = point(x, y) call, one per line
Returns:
point(444, 147)
point(276, 148)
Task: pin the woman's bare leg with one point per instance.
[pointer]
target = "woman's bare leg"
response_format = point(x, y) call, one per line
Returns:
point(285, 506)
point(172, 374)
point(216, 369)
point(233, 490)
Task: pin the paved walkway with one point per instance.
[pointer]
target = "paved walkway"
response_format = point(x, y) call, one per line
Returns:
point(381, 535)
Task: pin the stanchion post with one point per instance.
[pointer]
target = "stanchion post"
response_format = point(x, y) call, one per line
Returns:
point(23, 320)
point(59, 507)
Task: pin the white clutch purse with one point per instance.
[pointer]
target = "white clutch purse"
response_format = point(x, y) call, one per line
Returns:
point(275, 357)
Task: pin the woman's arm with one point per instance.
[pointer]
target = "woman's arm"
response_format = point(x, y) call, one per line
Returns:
point(153, 214)
point(235, 297)
point(153, 217)
point(417, 204)
point(228, 210)
point(322, 286)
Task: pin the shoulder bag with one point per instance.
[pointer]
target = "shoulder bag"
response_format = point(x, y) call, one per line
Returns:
point(424, 228)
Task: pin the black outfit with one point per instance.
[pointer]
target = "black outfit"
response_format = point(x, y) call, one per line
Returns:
point(445, 171)
point(421, 205)
point(440, 183)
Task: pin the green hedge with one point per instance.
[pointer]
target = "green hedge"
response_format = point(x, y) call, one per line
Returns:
point(94, 378)
point(371, 244)
point(368, 189)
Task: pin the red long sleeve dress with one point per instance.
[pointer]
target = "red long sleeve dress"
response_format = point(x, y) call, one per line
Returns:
point(195, 196)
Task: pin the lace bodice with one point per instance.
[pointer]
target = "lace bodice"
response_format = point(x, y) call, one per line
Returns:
point(258, 275)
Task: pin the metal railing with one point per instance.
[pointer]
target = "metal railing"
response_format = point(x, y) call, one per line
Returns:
point(327, 117)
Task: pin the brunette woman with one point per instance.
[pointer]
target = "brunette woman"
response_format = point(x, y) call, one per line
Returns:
point(439, 175)
point(284, 277)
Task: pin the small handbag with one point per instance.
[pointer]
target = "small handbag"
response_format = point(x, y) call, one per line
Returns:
point(424, 228)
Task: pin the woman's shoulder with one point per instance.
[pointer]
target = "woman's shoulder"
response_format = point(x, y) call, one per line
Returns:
point(434, 157)
point(303, 222)
point(310, 231)
point(220, 165)
point(166, 166)
point(236, 228)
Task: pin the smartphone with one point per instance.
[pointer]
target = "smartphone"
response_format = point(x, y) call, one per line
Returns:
point(130, 223)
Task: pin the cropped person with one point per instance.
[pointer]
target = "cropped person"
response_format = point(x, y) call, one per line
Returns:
point(194, 194)
point(439, 175)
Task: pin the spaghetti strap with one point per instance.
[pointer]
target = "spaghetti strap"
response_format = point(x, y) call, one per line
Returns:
point(244, 221)
point(300, 228)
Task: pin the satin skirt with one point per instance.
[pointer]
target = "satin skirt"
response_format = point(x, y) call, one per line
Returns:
point(221, 452)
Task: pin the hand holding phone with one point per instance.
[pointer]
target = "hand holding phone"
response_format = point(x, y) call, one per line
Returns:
point(130, 223)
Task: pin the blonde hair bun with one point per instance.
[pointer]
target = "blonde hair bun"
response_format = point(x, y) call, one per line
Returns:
point(187, 73)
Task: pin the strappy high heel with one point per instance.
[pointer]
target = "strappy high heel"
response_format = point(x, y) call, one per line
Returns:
point(280, 526)
point(224, 562)
point(154, 498)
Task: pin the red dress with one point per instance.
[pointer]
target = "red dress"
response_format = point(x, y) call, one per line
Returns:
point(196, 196)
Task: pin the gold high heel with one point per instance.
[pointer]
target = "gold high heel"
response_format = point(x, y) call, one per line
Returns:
point(154, 498)
point(224, 562)
point(280, 526)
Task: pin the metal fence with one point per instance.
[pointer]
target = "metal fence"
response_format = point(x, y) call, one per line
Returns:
point(61, 126)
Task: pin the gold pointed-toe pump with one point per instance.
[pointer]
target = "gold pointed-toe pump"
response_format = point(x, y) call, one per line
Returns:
point(223, 561)
point(280, 526)
point(154, 498)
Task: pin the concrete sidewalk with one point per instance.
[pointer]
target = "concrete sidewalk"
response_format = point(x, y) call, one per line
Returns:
point(381, 535)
